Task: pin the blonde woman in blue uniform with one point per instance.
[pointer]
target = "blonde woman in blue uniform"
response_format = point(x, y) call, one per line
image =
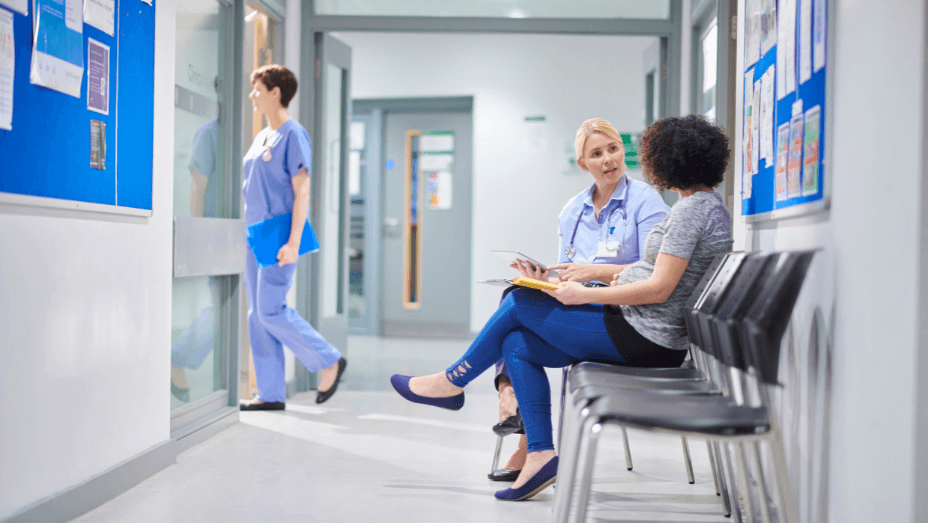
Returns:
point(601, 231)
point(276, 182)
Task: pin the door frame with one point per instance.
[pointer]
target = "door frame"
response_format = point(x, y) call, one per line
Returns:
point(377, 109)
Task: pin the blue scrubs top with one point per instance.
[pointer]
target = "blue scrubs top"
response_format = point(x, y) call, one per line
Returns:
point(203, 159)
point(273, 159)
point(633, 210)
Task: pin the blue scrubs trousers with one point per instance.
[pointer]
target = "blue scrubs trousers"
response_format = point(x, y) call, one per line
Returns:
point(272, 324)
point(531, 331)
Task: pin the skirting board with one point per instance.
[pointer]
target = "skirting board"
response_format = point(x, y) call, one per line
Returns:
point(415, 329)
point(84, 497)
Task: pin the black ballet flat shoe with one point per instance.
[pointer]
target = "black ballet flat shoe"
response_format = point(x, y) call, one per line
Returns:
point(263, 405)
point(504, 475)
point(179, 393)
point(510, 425)
point(323, 395)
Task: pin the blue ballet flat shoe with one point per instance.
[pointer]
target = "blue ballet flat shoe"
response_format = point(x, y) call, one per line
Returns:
point(540, 481)
point(401, 384)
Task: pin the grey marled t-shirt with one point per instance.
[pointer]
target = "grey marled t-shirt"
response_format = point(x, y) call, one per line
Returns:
point(698, 228)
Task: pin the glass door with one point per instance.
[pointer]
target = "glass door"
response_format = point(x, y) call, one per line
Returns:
point(323, 283)
point(208, 240)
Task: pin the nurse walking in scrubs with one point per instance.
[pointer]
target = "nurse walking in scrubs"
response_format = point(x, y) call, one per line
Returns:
point(276, 182)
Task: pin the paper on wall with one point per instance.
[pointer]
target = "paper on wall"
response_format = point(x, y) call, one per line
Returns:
point(436, 142)
point(794, 162)
point(747, 140)
point(98, 77)
point(811, 150)
point(805, 41)
point(100, 14)
point(58, 48)
point(755, 130)
point(766, 117)
point(20, 6)
point(781, 55)
point(7, 69)
point(789, 46)
point(752, 31)
point(436, 161)
point(782, 160)
point(768, 25)
point(819, 34)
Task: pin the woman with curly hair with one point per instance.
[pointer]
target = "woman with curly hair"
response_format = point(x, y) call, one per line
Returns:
point(637, 321)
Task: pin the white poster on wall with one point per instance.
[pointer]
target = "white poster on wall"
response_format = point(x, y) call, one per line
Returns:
point(20, 6)
point(58, 46)
point(100, 14)
point(7, 69)
point(818, 36)
point(805, 41)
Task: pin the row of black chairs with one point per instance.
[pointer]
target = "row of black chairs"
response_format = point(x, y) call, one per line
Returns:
point(735, 321)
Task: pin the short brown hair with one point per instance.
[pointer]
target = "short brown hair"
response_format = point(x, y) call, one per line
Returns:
point(274, 75)
point(683, 153)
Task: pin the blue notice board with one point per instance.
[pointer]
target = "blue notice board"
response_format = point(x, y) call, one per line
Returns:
point(48, 151)
point(795, 177)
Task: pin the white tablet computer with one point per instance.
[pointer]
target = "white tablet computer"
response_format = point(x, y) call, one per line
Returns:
point(513, 256)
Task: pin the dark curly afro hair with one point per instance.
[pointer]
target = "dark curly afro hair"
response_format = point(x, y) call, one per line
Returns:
point(683, 153)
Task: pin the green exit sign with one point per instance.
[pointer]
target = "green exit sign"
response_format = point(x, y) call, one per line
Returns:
point(630, 142)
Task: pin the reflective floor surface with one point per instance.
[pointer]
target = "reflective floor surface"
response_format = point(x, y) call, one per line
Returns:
point(369, 456)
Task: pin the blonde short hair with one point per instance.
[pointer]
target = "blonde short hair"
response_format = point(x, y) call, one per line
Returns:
point(594, 125)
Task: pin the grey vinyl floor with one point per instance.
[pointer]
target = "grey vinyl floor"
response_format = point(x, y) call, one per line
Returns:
point(368, 456)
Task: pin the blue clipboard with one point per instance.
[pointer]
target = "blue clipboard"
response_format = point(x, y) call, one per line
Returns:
point(267, 237)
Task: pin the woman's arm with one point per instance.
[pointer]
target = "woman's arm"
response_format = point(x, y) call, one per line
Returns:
point(668, 270)
point(582, 272)
point(291, 250)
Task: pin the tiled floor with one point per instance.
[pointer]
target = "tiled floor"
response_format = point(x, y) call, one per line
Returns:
point(368, 456)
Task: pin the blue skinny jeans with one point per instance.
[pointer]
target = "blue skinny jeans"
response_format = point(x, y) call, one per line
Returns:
point(531, 331)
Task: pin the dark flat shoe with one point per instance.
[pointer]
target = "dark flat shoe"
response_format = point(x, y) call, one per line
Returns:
point(179, 393)
point(401, 385)
point(269, 405)
point(323, 395)
point(510, 425)
point(504, 475)
point(540, 481)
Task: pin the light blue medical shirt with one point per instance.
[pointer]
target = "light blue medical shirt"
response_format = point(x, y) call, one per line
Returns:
point(267, 185)
point(633, 210)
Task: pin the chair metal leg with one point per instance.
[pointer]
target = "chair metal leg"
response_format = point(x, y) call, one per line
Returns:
point(688, 461)
point(586, 473)
point(499, 448)
point(628, 451)
point(569, 455)
point(712, 465)
point(744, 473)
point(726, 497)
point(732, 483)
point(560, 418)
point(762, 486)
point(782, 475)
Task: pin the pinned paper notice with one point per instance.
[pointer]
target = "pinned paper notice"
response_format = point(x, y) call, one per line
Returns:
point(805, 41)
point(811, 151)
point(441, 141)
point(766, 117)
point(819, 34)
point(7, 69)
point(436, 161)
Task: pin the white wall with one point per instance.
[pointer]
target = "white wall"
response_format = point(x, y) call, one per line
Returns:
point(85, 327)
point(518, 192)
point(872, 240)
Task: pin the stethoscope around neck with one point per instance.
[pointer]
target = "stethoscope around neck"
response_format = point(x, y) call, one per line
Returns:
point(570, 250)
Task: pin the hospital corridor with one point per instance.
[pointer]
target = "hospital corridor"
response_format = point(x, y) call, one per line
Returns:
point(585, 261)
